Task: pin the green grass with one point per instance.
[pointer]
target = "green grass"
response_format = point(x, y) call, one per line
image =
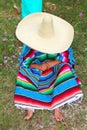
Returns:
point(10, 49)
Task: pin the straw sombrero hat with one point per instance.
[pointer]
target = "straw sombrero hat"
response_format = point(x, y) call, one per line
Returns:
point(45, 32)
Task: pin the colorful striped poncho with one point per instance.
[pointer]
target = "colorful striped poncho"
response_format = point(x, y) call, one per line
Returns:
point(55, 87)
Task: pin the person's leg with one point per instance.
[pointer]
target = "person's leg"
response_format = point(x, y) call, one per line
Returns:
point(58, 115)
point(30, 6)
point(29, 114)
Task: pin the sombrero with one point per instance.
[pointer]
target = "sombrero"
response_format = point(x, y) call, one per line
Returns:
point(45, 32)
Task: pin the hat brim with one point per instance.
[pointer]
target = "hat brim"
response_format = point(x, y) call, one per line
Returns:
point(27, 32)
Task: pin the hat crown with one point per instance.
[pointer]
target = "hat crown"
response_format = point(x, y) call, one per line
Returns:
point(46, 29)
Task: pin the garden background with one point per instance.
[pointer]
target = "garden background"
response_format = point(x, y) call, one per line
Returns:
point(75, 12)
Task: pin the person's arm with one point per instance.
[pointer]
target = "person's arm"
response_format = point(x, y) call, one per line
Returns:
point(52, 63)
point(45, 66)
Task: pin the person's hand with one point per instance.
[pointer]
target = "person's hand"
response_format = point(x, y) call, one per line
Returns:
point(42, 67)
point(46, 65)
point(52, 63)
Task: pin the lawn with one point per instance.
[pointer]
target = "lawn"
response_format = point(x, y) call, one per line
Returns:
point(75, 12)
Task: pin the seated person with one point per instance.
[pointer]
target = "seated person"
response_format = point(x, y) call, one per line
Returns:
point(46, 77)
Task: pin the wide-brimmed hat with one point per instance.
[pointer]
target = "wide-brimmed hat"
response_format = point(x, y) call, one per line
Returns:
point(45, 32)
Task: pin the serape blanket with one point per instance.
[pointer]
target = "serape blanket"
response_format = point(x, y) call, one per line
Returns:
point(49, 89)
